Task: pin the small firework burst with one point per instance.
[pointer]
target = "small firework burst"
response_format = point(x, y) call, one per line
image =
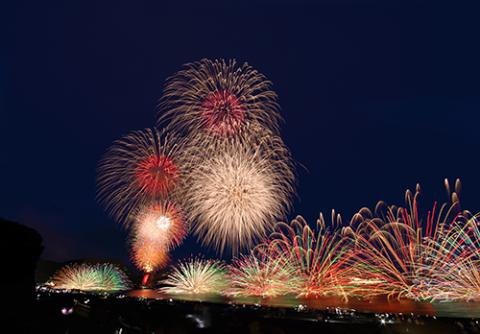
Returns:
point(235, 194)
point(160, 222)
point(218, 97)
point(398, 254)
point(90, 277)
point(196, 276)
point(148, 256)
point(321, 257)
point(137, 169)
point(259, 275)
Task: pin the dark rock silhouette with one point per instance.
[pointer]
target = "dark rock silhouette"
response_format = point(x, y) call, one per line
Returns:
point(20, 247)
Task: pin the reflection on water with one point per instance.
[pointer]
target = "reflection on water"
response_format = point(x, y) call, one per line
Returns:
point(376, 305)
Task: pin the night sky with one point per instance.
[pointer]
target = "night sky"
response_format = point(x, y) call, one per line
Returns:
point(375, 98)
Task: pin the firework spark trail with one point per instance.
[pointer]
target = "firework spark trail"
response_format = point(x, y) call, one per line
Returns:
point(263, 276)
point(219, 98)
point(401, 256)
point(196, 276)
point(90, 277)
point(321, 256)
point(236, 193)
point(137, 169)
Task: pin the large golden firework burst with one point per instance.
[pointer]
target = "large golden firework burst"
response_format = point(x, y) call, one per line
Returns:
point(237, 191)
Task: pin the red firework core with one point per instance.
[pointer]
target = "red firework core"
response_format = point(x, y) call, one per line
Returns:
point(223, 113)
point(157, 174)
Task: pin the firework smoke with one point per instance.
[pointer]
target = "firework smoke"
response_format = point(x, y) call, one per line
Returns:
point(196, 276)
point(90, 277)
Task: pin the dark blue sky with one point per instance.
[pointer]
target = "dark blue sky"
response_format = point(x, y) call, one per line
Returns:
point(375, 98)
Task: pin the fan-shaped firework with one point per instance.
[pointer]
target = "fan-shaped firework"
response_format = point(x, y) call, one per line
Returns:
point(90, 277)
point(196, 276)
point(321, 257)
point(401, 256)
point(235, 194)
point(137, 169)
point(259, 275)
point(160, 222)
point(218, 97)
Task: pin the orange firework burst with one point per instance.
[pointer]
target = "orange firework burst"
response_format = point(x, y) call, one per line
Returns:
point(137, 169)
point(148, 256)
point(220, 98)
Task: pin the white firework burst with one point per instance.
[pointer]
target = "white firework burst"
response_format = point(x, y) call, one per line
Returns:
point(237, 191)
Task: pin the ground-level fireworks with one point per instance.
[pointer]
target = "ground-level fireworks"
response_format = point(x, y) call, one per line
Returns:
point(196, 276)
point(260, 275)
point(321, 256)
point(90, 277)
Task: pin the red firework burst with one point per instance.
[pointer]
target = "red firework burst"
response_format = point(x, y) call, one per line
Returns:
point(223, 113)
point(157, 174)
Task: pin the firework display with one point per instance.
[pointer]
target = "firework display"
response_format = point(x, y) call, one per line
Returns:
point(218, 97)
point(137, 169)
point(399, 254)
point(264, 276)
point(160, 223)
point(236, 194)
point(322, 258)
point(90, 277)
point(219, 168)
point(196, 276)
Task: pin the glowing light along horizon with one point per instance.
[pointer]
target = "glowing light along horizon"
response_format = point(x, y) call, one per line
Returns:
point(90, 277)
